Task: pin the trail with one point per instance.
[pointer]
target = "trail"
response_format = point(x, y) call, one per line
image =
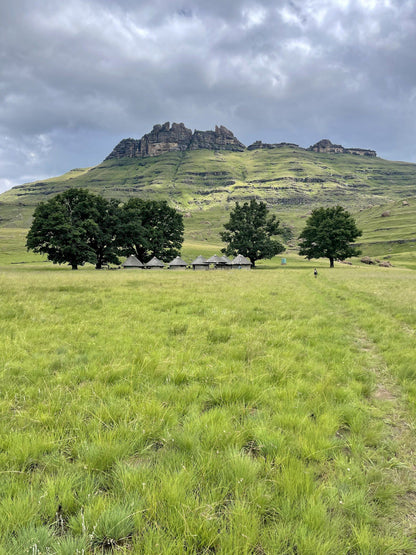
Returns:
point(390, 360)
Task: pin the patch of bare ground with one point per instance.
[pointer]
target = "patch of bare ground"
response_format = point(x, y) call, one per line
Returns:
point(408, 329)
point(383, 394)
point(387, 397)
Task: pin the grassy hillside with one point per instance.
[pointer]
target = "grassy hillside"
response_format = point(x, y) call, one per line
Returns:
point(286, 178)
point(390, 228)
point(233, 413)
point(204, 185)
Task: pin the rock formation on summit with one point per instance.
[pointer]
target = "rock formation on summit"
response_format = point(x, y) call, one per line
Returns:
point(164, 138)
point(167, 138)
point(220, 139)
point(177, 137)
point(325, 145)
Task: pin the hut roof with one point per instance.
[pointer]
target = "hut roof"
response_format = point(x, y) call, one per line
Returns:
point(214, 259)
point(132, 262)
point(225, 260)
point(178, 262)
point(154, 263)
point(240, 260)
point(199, 260)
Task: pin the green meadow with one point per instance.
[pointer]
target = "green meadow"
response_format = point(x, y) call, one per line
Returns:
point(244, 412)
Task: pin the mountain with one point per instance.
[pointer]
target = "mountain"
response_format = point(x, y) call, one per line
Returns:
point(203, 173)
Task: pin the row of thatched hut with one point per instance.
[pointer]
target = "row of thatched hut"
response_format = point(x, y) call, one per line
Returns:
point(240, 262)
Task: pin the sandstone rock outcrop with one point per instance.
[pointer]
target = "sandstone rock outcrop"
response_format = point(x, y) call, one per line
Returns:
point(167, 138)
point(127, 148)
point(367, 260)
point(177, 137)
point(220, 139)
point(325, 145)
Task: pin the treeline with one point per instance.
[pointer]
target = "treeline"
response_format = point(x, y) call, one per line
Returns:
point(77, 226)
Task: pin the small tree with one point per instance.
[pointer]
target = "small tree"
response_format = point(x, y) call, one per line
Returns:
point(249, 232)
point(329, 233)
point(150, 228)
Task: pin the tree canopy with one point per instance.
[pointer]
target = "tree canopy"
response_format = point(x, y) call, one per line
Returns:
point(76, 227)
point(66, 228)
point(150, 228)
point(250, 231)
point(103, 239)
point(329, 233)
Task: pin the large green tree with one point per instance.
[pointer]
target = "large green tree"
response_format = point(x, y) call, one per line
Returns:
point(150, 228)
point(103, 239)
point(250, 231)
point(329, 233)
point(75, 227)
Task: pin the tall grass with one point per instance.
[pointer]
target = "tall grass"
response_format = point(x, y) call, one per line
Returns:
point(212, 412)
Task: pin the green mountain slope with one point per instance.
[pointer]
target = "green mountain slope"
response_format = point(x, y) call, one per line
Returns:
point(204, 184)
point(389, 228)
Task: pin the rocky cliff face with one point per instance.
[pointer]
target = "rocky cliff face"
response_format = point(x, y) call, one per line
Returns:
point(220, 139)
point(325, 145)
point(177, 137)
point(164, 138)
point(167, 138)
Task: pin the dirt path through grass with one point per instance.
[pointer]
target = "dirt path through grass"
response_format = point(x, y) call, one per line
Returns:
point(387, 341)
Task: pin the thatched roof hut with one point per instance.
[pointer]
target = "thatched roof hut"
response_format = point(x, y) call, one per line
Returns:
point(132, 262)
point(214, 260)
point(200, 263)
point(177, 264)
point(224, 263)
point(154, 264)
point(241, 262)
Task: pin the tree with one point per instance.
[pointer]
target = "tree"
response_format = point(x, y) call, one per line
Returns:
point(103, 236)
point(150, 228)
point(329, 233)
point(74, 227)
point(249, 232)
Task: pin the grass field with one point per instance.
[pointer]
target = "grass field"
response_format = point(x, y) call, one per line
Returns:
point(262, 412)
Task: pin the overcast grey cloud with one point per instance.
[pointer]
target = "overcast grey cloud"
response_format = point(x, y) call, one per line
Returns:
point(78, 76)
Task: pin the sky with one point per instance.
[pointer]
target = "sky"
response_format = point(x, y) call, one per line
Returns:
point(78, 76)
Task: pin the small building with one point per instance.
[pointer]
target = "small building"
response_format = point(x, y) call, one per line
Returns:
point(224, 263)
point(133, 262)
point(240, 262)
point(200, 263)
point(154, 264)
point(214, 261)
point(177, 264)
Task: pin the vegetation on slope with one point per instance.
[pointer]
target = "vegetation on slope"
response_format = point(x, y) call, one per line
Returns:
point(287, 178)
point(389, 228)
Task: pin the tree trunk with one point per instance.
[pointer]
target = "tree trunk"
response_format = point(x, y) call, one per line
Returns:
point(74, 266)
point(331, 262)
point(99, 260)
